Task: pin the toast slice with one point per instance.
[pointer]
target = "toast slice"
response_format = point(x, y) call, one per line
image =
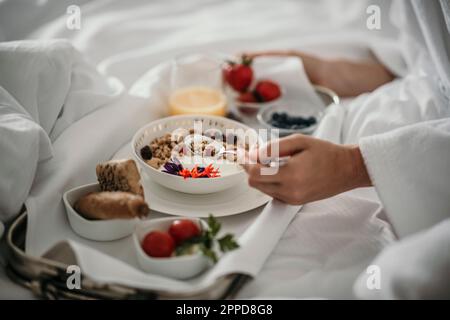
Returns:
point(119, 175)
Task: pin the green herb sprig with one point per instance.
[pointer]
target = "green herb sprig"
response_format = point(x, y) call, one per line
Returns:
point(206, 240)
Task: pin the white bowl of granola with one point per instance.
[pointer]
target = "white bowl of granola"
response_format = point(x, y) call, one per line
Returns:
point(162, 150)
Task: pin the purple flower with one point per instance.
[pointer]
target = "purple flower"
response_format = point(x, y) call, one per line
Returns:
point(173, 167)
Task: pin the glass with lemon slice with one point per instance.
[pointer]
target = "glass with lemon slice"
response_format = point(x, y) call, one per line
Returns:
point(197, 86)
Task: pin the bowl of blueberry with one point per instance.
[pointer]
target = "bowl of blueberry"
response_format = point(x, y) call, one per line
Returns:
point(291, 118)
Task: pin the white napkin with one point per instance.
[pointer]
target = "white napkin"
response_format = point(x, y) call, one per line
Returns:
point(256, 243)
point(258, 240)
point(290, 74)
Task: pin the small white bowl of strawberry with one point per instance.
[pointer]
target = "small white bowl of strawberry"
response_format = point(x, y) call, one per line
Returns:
point(179, 248)
point(249, 94)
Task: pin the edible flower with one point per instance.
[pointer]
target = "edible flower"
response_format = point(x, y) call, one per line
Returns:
point(209, 172)
point(176, 168)
point(171, 167)
point(185, 173)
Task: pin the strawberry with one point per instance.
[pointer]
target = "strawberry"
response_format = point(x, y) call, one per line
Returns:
point(266, 90)
point(239, 76)
point(247, 97)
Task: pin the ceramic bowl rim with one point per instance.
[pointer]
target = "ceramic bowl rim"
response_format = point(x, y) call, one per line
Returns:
point(193, 117)
point(334, 99)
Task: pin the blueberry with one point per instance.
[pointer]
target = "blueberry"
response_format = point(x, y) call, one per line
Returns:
point(285, 125)
point(283, 120)
point(312, 120)
point(297, 120)
point(277, 124)
point(290, 120)
point(275, 116)
point(146, 153)
point(283, 116)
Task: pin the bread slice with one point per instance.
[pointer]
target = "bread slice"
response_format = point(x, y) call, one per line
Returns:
point(112, 205)
point(119, 175)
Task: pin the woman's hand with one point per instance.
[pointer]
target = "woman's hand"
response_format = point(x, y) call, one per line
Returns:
point(316, 170)
point(346, 78)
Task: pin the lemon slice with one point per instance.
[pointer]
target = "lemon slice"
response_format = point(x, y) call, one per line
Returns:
point(198, 100)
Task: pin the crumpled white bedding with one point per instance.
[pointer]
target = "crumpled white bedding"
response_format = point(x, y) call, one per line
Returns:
point(331, 242)
point(45, 86)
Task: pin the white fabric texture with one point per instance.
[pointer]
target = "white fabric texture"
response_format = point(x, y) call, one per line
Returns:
point(410, 168)
point(331, 241)
point(434, 20)
point(393, 159)
point(127, 39)
point(422, 272)
point(23, 144)
point(248, 259)
point(44, 87)
point(53, 82)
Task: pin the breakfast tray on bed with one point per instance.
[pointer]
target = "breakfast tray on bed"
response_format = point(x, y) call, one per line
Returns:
point(47, 278)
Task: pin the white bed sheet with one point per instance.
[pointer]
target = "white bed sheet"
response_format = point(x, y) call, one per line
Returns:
point(331, 241)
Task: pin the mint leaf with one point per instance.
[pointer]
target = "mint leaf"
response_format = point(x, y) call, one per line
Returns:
point(227, 243)
point(209, 253)
point(214, 226)
point(187, 245)
point(182, 249)
point(206, 241)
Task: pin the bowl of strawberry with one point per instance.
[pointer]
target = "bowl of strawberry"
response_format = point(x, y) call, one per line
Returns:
point(247, 93)
point(180, 248)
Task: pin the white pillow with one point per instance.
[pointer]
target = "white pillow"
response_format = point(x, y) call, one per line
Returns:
point(45, 87)
point(53, 82)
point(23, 143)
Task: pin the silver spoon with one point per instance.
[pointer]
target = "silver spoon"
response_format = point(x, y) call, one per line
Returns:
point(220, 149)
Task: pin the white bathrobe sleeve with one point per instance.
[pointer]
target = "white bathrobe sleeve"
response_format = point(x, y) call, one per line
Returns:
point(410, 169)
point(422, 272)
